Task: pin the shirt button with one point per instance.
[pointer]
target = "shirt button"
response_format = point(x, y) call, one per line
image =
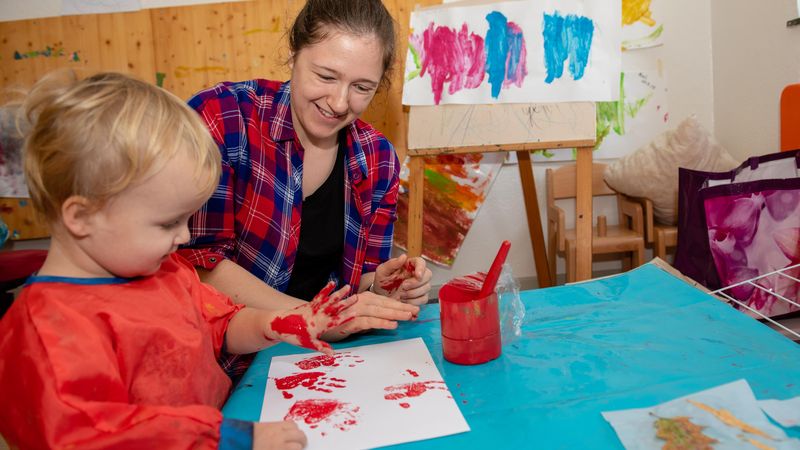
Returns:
point(212, 260)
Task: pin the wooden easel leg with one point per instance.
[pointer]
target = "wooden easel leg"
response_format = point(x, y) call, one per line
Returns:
point(543, 275)
point(583, 214)
point(416, 184)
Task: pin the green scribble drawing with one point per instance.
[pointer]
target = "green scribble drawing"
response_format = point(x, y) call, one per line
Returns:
point(641, 42)
point(414, 73)
point(611, 115)
point(160, 79)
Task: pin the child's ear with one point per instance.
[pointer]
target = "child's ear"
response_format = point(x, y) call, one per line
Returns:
point(76, 214)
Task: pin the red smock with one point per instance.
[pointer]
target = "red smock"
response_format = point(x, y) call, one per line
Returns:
point(99, 363)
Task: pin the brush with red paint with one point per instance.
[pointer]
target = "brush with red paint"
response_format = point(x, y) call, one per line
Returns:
point(470, 315)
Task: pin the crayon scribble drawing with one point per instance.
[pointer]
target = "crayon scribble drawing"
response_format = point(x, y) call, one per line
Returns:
point(641, 26)
point(455, 188)
point(477, 54)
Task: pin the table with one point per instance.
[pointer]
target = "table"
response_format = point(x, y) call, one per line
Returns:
point(629, 341)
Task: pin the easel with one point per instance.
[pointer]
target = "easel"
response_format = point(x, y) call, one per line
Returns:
point(552, 126)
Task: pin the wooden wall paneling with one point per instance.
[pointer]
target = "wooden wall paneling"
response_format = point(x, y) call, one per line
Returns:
point(126, 44)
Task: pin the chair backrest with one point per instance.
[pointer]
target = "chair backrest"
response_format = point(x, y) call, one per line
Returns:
point(560, 183)
point(790, 117)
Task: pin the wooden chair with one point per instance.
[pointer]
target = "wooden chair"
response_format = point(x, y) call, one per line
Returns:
point(659, 236)
point(627, 237)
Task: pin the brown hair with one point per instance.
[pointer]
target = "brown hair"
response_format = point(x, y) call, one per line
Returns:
point(359, 17)
point(95, 137)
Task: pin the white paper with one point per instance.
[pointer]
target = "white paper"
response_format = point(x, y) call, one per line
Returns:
point(148, 4)
point(21, 10)
point(635, 427)
point(785, 412)
point(599, 80)
point(376, 395)
point(70, 7)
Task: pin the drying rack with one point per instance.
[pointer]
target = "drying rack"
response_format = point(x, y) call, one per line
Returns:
point(781, 327)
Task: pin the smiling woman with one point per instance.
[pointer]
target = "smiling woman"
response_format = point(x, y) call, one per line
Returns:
point(308, 191)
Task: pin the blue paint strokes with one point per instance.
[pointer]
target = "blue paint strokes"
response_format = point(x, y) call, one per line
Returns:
point(566, 37)
point(580, 31)
point(496, 50)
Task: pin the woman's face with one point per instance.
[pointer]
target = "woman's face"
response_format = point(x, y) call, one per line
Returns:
point(333, 82)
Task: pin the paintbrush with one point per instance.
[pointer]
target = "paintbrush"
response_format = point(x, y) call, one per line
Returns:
point(494, 271)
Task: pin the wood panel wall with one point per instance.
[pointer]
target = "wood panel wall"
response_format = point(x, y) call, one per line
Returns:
point(185, 49)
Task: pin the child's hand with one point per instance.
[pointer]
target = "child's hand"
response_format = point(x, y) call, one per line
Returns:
point(405, 279)
point(278, 436)
point(305, 324)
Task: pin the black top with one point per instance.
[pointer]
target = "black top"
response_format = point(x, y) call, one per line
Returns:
point(319, 252)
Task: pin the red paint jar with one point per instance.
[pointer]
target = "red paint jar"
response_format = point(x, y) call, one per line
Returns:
point(470, 325)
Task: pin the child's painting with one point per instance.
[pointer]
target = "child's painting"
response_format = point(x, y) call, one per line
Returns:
point(514, 52)
point(724, 417)
point(454, 189)
point(642, 24)
point(363, 397)
point(625, 125)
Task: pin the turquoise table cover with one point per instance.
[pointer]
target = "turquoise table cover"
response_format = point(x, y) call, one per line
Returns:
point(629, 341)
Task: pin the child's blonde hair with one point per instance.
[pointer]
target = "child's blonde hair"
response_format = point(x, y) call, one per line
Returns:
point(95, 137)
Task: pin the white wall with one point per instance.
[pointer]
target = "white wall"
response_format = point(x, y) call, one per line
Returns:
point(686, 58)
point(755, 56)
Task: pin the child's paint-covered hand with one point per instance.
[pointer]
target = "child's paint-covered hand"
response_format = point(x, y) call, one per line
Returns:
point(278, 436)
point(405, 279)
point(305, 324)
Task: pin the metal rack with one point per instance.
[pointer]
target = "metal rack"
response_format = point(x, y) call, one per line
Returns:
point(789, 327)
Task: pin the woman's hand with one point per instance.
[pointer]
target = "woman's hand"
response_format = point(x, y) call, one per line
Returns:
point(278, 436)
point(371, 311)
point(305, 324)
point(405, 279)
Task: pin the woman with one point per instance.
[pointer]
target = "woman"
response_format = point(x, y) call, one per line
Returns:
point(308, 191)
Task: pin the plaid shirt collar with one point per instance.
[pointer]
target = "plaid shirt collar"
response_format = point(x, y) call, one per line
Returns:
point(282, 129)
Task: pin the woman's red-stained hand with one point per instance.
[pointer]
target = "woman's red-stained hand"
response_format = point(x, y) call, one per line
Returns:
point(372, 311)
point(405, 279)
point(305, 324)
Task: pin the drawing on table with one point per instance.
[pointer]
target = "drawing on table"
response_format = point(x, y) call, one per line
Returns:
point(477, 54)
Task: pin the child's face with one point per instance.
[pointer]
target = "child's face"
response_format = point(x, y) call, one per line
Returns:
point(137, 229)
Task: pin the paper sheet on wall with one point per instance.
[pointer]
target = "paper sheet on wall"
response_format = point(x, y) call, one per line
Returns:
point(514, 52)
point(362, 397)
point(642, 24)
point(70, 7)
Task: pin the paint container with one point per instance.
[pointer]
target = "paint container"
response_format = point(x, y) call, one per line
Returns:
point(470, 323)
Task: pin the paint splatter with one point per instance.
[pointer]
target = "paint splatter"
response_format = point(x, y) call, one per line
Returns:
point(412, 373)
point(637, 11)
point(462, 58)
point(401, 274)
point(505, 53)
point(566, 37)
point(160, 79)
point(185, 71)
point(314, 411)
point(328, 361)
point(409, 390)
point(56, 51)
point(405, 405)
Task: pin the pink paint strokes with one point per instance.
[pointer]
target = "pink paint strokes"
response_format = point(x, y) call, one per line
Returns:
point(462, 58)
point(314, 411)
point(408, 390)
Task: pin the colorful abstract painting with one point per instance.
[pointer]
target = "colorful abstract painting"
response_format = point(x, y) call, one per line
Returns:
point(454, 189)
point(514, 52)
point(642, 24)
point(623, 126)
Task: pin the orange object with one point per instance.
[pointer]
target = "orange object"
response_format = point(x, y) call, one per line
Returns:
point(790, 117)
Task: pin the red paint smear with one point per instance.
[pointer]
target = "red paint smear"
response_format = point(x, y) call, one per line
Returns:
point(286, 394)
point(392, 284)
point(294, 324)
point(314, 411)
point(469, 283)
point(306, 379)
point(412, 389)
point(397, 278)
point(405, 405)
point(412, 373)
point(325, 360)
